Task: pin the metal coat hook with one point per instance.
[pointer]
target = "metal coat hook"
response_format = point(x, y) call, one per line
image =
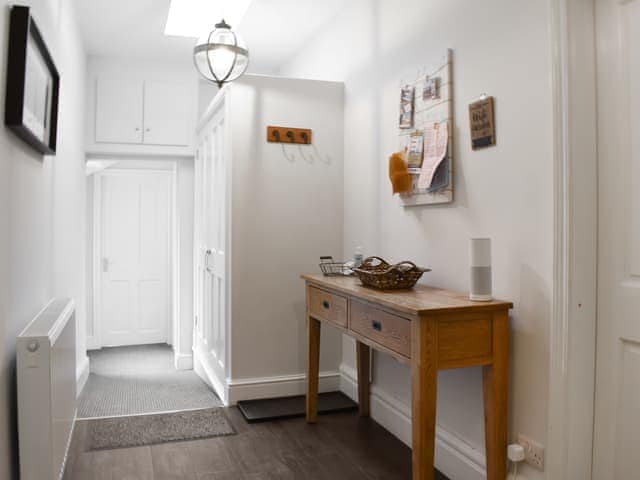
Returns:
point(291, 136)
point(291, 158)
point(327, 158)
point(308, 160)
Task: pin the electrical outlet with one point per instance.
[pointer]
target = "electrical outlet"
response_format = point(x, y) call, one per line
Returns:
point(534, 452)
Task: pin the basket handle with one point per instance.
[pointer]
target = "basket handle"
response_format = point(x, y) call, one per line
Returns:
point(369, 261)
point(406, 262)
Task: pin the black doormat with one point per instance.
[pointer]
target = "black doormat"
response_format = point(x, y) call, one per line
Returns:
point(288, 407)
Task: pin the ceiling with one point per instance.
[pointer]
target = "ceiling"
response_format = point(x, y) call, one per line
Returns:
point(274, 30)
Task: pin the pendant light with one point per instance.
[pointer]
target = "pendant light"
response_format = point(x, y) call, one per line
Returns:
point(221, 56)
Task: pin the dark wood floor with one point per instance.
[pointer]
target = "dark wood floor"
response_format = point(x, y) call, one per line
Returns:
point(340, 447)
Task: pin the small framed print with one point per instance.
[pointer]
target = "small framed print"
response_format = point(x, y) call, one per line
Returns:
point(482, 124)
point(33, 83)
point(406, 107)
point(431, 89)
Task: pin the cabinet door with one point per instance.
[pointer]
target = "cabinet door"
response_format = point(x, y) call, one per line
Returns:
point(167, 111)
point(118, 110)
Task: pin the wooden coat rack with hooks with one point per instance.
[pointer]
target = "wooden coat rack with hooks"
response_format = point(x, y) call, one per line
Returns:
point(289, 135)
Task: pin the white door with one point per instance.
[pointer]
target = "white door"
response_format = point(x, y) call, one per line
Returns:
point(119, 104)
point(210, 252)
point(135, 239)
point(617, 400)
point(167, 111)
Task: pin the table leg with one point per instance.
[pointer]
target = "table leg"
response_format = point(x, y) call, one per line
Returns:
point(364, 366)
point(424, 376)
point(313, 368)
point(495, 380)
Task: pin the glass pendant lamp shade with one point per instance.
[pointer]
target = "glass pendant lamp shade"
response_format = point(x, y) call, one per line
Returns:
point(221, 56)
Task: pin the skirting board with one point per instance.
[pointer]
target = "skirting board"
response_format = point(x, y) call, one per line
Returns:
point(82, 375)
point(453, 456)
point(231, 391)
point(183, 361)
point(278, 386)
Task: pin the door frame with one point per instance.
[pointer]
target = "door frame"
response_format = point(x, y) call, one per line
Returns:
point(572, 329)
point(171, 174)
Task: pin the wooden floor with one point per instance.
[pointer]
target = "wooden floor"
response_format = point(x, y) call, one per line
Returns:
point(340, 447)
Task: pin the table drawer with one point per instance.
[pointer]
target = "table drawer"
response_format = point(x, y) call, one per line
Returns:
point(384, 328)
point(327, 306)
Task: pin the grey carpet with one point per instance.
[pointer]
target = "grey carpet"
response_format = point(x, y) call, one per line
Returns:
point(140, 380)
point(122, 432)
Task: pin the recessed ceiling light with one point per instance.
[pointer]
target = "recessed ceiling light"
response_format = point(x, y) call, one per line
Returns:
point(195, 18)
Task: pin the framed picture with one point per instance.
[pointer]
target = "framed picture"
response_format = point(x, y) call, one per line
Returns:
point(33, 85)
point(482, 123)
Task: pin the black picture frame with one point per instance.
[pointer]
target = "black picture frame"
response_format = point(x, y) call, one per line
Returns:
point(32, 78)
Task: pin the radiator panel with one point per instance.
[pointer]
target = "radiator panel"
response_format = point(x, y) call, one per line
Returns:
point(46, 369)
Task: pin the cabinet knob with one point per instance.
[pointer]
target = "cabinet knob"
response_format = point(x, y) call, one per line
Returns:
point(147, 129)
point(137, 129)
point(325, 305)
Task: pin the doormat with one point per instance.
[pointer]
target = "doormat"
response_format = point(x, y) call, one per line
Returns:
point(138, 430)
point(288, 407)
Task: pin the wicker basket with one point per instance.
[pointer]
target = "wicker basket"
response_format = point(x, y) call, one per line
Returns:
point(377, 273)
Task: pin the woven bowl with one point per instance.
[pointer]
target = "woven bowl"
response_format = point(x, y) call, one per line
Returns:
point(377, 273)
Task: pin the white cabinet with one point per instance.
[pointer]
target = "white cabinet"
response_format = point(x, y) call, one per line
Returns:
point(118, 110)
point(166, 113)
point(147, 112)
point(140, 108)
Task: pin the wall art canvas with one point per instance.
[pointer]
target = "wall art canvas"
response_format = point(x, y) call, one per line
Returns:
point(33, 84)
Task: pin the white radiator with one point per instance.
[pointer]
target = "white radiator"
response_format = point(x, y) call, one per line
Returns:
point(46, 372)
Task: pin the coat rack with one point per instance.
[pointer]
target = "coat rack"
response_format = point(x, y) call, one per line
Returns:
point(289, 135)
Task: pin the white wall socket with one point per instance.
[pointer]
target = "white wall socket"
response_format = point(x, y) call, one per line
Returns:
point(534, 452)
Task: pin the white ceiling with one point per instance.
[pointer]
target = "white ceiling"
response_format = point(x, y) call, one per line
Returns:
point(273, 29)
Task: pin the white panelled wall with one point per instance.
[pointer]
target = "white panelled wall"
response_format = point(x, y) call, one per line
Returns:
point(41, 212)
point(501, 48)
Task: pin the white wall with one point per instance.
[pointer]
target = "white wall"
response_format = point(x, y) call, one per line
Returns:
point(33, 221)
point(499, 47)
point(287, 212)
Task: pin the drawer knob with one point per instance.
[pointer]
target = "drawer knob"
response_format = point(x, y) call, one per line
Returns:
point(325, 305)
point(376, 325)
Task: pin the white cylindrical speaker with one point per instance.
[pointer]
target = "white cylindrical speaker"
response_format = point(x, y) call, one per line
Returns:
point(480, 266)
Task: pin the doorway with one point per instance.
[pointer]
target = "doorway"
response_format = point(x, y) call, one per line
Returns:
point(141, 237)
point(133, 257)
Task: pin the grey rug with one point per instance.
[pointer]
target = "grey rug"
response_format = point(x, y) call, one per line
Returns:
point(140, 380)
point(122, 432)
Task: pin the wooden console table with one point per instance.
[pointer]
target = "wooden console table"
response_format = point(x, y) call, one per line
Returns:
point(429, 329)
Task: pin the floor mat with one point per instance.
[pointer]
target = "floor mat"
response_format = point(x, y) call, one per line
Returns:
point(287, 407)
point(122, 432)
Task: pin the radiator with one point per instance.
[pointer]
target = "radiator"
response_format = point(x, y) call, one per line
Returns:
point(46, 370)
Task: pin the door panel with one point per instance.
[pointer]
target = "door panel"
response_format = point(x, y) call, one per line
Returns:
point(617, 401)
point(167, 108)
point(118, 110)
point(211, 262)
point(135, 258)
